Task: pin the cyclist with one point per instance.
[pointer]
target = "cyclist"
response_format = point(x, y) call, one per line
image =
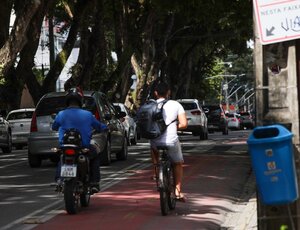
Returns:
point(172, 110)
point(84, 121)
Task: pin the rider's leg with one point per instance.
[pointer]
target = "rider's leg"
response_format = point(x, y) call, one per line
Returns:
point(178, 174)
point(95, 170)
point(176, 156)
point(155, 158)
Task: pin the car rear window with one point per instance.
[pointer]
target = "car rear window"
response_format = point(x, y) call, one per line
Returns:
point(245, 114)
point(189, 106)
point(20, 115)
point(51, 105)
point(213, 109)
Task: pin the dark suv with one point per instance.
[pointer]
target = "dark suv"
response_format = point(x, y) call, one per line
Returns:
point(42, 138)
point(216, 119)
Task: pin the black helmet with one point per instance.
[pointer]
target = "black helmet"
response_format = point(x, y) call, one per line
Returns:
point(74, 94)
point(72, 136)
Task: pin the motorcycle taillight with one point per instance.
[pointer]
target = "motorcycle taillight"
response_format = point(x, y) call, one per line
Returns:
point(69, 151)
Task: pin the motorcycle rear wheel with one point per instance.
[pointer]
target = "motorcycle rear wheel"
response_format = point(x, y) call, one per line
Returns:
point(85, 198)
point(71, 197)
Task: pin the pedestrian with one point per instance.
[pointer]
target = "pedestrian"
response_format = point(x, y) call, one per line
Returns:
point(172, 110)
point(77, 118)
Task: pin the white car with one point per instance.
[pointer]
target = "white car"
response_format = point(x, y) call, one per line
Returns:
point(128, 122)
point(233, 121)
point(197, 120)
point(19, 121)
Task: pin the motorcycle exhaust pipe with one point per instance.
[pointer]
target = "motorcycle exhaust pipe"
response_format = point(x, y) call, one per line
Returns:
point(81, 159)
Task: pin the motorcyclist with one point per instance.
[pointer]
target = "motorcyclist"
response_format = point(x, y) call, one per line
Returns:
point(77, 118)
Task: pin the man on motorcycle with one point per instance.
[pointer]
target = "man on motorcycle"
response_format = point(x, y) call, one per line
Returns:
point(77, 118)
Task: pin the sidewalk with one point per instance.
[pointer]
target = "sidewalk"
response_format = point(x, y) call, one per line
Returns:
point(244, 214)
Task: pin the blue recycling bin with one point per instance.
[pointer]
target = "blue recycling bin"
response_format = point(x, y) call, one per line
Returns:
point(271, 152)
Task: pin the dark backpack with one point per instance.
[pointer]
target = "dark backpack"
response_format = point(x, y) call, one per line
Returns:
point(150, 119)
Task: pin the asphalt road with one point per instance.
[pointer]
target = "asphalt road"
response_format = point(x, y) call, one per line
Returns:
point(28, 201)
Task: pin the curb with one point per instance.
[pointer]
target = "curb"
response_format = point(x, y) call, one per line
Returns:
point(244, 211)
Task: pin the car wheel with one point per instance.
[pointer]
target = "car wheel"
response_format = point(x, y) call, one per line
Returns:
point(34, 161)
point(134, 140)
point(206, 134)
point(202, 134)
point(8, 148)
point(105, 155)
point(225, 131)
point(19, 147)
point(55, 159)
point(122, 155)
point(128, 137)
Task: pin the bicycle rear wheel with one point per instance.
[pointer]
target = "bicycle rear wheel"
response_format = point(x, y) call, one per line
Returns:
point(163, 191)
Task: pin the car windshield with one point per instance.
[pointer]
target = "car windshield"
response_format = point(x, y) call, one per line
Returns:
point(189, 106)
point(53, 105)
point(20, 115)
point(230, 115)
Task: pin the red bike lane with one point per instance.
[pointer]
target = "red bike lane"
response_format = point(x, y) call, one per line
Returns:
point(211, 184)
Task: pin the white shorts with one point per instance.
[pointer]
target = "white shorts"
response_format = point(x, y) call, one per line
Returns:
point(174, 151)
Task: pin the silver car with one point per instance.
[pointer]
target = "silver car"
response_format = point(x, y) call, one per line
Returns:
point(42, 138)
point(197, 120)
point(5, 136)
point(128, 122)
point(19, 121)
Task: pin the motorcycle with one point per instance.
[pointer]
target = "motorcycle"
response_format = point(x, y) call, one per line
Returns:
point(74, 172)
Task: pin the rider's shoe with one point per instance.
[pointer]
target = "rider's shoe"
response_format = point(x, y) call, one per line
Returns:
point(95, 188)
point(58, 185)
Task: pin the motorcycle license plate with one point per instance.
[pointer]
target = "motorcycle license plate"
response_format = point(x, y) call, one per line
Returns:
point(68, 171)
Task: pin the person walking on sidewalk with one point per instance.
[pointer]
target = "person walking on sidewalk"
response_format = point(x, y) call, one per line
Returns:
point(172, 110)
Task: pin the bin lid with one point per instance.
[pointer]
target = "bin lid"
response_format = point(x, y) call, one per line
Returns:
point(270, 133)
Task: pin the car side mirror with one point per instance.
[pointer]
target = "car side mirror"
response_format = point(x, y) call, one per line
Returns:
point(53, 116)
point(1, 120)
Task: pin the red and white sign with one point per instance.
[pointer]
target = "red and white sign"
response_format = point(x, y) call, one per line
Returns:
point(277, 20)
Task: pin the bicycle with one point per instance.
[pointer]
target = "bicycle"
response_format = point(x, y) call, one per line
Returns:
point(165, 181)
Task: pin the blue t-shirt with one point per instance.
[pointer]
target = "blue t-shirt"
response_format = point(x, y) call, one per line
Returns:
point(79, 119)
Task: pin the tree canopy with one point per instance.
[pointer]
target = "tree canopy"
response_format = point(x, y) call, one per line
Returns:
point(180, 42)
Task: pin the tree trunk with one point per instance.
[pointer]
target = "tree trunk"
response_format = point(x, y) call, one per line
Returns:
point(26, 62)
point(5, 12)
point(17, 38)
point(62, 57)
point(96, 50)
point(118, 83)
point(143, 84)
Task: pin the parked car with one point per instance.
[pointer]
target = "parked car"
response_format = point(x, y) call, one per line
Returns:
point(216, 118)
point(42, 138)
point(247, 121)
point(197, 120)
point(5, 136)
point(233, 121)
point(19, 121)
point(128, 122)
